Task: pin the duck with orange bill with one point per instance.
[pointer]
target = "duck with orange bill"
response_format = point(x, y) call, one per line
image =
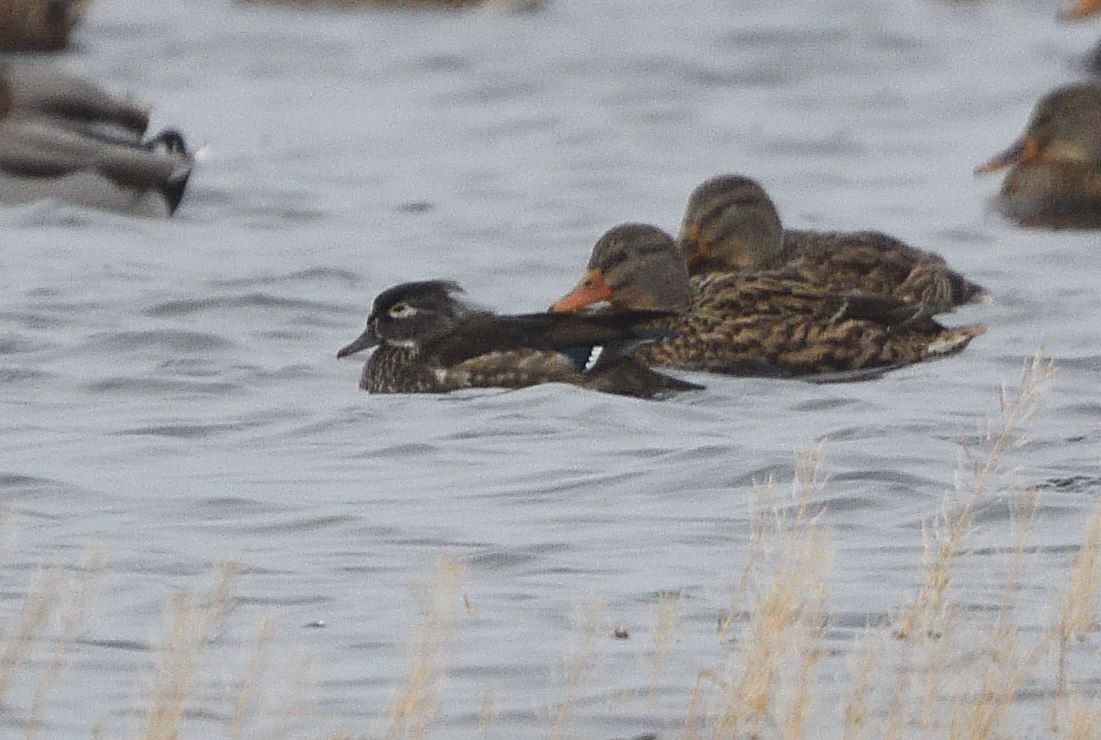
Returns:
point(1054, 177)
point(753, 323)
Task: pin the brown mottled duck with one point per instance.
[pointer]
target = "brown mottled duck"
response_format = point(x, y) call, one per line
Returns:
point(754, 323)
point(730, 223)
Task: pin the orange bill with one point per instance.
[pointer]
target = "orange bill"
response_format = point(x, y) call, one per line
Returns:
point(592, 289)
point(1082, 9)
point(1023, 152)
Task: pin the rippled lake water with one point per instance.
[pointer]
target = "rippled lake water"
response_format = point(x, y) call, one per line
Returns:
point(171, 396)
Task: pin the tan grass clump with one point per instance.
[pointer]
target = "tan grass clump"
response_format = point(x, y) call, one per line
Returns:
point(766, 686)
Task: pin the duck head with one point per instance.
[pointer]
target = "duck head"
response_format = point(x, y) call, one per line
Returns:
point(730, 223)
point(1065, 128)
point(632, 267)
point(409, 314)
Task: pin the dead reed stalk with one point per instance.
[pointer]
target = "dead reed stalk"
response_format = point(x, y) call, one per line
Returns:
point(1077, 615)
point(192, 624)
point(928, 610)
point(71, 620)
point(780, 643)
point(44, 596)
point(249, 686)
point(415, 707)
point(667, 617)
point(578, 664)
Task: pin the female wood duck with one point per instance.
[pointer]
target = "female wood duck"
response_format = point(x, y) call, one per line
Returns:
point(38, 25)
point(731, 224)
point(1055, 167)
point(430, 341)
point(60, 138)
point(754, 323)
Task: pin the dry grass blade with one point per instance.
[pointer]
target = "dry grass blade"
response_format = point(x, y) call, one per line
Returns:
point(44, 596)
point(927, 612)
point(415, 707)
point(71, 620)
point(787, 618)
point(1077, 614)
point(191, 625)
point(578, 665)
point(855, 709)
point(668, 615)
point(249, 687)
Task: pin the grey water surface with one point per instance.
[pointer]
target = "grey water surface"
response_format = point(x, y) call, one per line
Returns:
point(171, 397)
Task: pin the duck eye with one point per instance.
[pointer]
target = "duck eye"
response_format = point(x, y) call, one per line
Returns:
point(402, 311)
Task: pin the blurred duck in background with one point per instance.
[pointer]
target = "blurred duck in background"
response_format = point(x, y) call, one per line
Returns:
point(66, 138)
point(38, 25)
point(1054, 178)
point(514, 6)
point(1084, 9)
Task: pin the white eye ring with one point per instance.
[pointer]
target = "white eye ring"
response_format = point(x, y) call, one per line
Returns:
point(402, 311)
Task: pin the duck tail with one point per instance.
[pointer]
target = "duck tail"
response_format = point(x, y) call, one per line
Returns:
point(976, 294)
point(173, 142)
point(172, 190)
point(953, 340)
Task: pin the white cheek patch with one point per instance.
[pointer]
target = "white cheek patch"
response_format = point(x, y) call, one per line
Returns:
point(403, 343)
point(594, 357)
point(403, 311)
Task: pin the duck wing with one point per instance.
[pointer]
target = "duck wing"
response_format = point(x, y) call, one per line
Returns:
point(873, 262)
point(71, 100)
point(482, 334)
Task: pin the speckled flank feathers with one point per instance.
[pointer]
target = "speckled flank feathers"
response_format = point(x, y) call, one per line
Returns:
point(757, 323)
point(761, 325)
point(730, 223)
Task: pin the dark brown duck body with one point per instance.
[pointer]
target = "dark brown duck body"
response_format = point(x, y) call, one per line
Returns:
point(755, 323)
point(429, 342)
point(1054, 178)
point(731, 224)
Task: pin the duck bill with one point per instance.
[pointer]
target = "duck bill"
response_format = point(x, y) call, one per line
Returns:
point(1023, 152)
point(592, 289)
point(1082, 9)
point(366, 340)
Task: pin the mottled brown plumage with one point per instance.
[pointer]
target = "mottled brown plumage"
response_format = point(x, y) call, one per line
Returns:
point(730, 223)
point(1054, 179)
point(754, 323)
point(431, 342)
point(38, 25)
